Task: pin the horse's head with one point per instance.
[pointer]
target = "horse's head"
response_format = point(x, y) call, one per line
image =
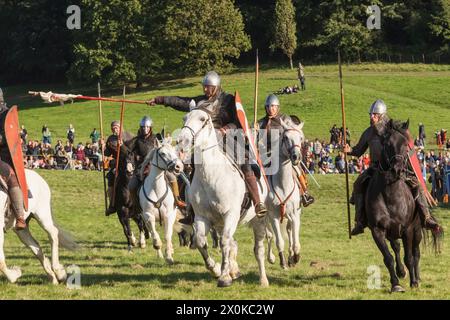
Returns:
point(165, 157)
point(192, 132)
point(396, 147)
point(292, 140)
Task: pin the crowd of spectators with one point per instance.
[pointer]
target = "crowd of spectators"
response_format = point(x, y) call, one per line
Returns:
point(43, 155)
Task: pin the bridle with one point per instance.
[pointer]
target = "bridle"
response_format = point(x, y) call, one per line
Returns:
point(169, 164)
point(284, 138)
point(192, 131)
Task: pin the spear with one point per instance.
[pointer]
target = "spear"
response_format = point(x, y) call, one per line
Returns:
point(255, 102)
point(50, 97)
point(102, 146)
point(344, 143)
point(119, 140)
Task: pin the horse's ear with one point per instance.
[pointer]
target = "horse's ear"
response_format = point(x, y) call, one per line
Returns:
point(300, 125)
point(168, 140)
point(158, 143)
point(405, 125)
point(391, 124)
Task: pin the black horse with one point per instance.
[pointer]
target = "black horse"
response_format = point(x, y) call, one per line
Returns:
point(391, 210)
point(124, 205)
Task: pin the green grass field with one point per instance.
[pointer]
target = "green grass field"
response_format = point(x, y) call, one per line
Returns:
point(332, 266)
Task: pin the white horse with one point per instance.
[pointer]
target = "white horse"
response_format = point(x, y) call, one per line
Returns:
point(216, 194)
point(39, 208)
point(284, 198)
point(157, 199)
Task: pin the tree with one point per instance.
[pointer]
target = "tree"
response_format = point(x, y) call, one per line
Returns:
point(198, 36)
point(116, 43)
point(285, 28)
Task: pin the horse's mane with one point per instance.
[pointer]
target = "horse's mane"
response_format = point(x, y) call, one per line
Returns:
point(146, 161)
point(401, 127)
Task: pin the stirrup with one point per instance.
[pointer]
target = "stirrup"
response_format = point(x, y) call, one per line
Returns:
point(358, 229)
point(260, 210)
point(110, 211)
point(307, 200)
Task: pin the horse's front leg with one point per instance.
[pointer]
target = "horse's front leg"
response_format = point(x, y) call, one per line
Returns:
point(230, 225)
point(399, 268)
point(201, 227)
point(279, 241)
point(150, 221)
point(11, 274)
point(380, 240)
point(143, 233)
point(122, 214)
point(259, 232)
point(294, 245)
point(168, 232)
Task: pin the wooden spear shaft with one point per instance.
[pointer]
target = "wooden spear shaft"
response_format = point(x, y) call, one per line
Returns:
point(344, 129)
point(255, 102)
point(119, 140)
point(102, 146)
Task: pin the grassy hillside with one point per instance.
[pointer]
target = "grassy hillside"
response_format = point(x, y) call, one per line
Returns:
point(331, 267)
point(418, 92)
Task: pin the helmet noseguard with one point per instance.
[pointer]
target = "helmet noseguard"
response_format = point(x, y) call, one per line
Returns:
point(270, 100)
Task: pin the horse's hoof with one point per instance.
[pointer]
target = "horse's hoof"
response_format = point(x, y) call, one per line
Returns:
point(264, 282)
point(14, 274)
point(143, 245)
point(215, 271)
point(401, 273)
point(397, 288)
point(415, 285)
point(271, 259)
point(169, 261)
point(222, 283)
point(236, 275)
point(61, 275)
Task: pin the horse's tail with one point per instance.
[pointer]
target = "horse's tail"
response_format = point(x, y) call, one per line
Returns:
point(66, 240)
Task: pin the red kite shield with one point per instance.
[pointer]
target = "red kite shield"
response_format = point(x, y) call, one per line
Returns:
point(11, 126)
point(415, 164)
point(248, 133)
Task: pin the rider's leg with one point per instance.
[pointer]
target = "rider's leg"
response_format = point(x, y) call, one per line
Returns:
point(111, 209)
point(133, 186)
point(15, 194)
point(426, 218)
point(358, 200)
point(175, 189)
point(307, 199)
point(250, 180)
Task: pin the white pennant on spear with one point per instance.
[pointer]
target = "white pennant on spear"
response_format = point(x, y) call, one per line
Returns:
point(50, 97)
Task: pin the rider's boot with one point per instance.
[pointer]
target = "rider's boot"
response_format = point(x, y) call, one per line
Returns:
point(176, 193)
point(111, 209)
point(250, 180)
point(359, 214)
point(426, 218)
point(306, 198)
point(16, 196)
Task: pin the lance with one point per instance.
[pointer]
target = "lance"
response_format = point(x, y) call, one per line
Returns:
point(119, 141)
point(50, 97)
point(255, 101)
point(102, 146)
point(344, 143)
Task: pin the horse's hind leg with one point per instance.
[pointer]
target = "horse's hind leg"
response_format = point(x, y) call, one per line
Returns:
point(28, 240)
point(399, 268)
point(234, 267)
point(52, 233)
point(408, 259)
point(294, 240)
point(201, 230)
point(380, 239)
point(416, 253)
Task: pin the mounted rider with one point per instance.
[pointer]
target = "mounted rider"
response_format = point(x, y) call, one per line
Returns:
point(8, 169)
point(372, 138)
point(221, 107)
point(272, 120)
point(111, 151)
point(140, 146)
